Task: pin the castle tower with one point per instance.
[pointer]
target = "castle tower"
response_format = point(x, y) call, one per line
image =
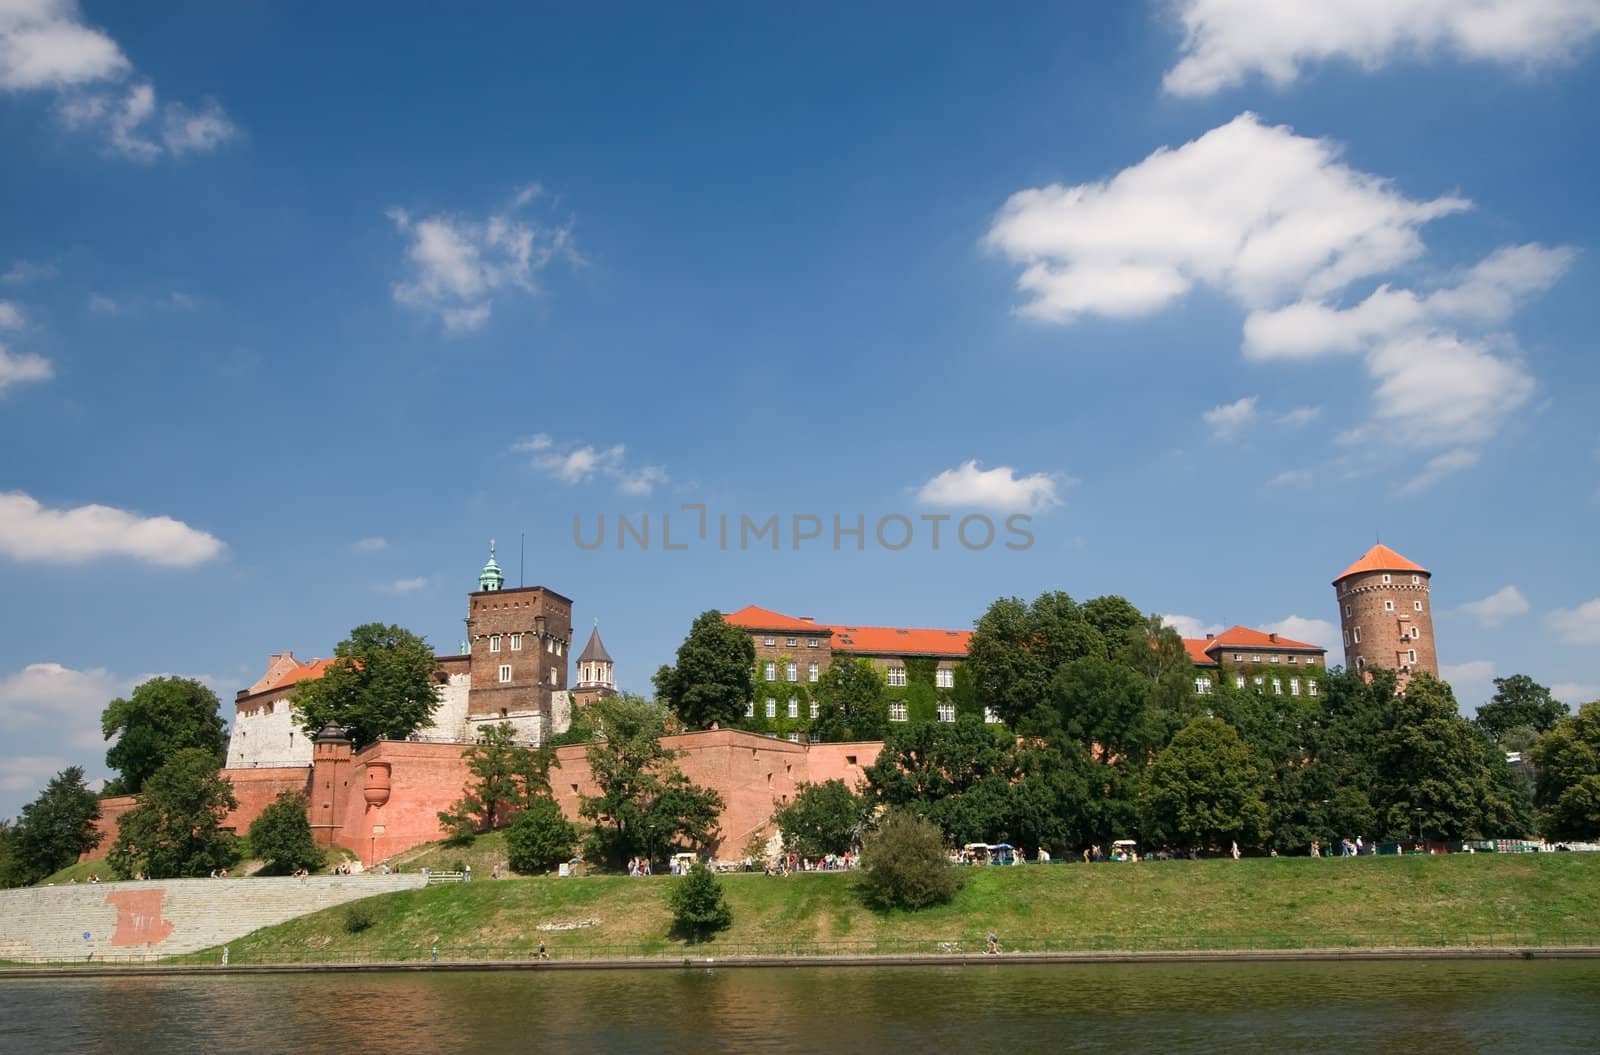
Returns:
point(1386, 613)
point(595, 677)
point(518, 641)
point(331, 769)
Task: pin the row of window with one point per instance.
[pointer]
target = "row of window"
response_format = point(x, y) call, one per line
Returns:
point(1202, 684)
point(1388, 606)
point(505, 674)
point(791, 671)
point(1413, 633)
point(1238, 657)
point(811, 642)
point(897, 710)
point(551, 645)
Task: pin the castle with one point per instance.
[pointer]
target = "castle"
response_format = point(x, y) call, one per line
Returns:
point(385, 798)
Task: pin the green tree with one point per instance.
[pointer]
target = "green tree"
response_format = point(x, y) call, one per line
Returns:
point(381, 686)
point(850, 702)
point(506, 776)
point(824, 818)
point(714, 676)
point(698, 907)
point(1567, 763)
point(1017, 649)
point(54, 830)
point(13, 873)
point(1203, 789)
point(1519, 702)
point(176, 830)
point(281, 836)
point(540, 837)
point(904, 864)
point(158, 719)
point(645, 804)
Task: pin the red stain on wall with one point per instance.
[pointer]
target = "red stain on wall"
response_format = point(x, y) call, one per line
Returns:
point(139, 919)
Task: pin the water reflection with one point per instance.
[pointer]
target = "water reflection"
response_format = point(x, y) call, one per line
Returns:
point(1543, 1006)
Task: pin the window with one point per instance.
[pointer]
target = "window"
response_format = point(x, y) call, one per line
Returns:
point(812, 642)
point(771, 671)
point(1259, 681)
point(516, 642)
point(811, 671)
point(790, 643)
point(1356, 633)
point(749, 708)
point(1416, 606)
point(1311, 687)
point(1386, 578)
point(794, 707)
point(505, 672)
point(552, 676)
point(1294, 686)
point(947, 712)
point(1238, 657)
point(1411, 656)
point(1238, 681)
point(772, 707)
point(769, 641)
point(1346, 609)
point(1311, 661)
point(560, 647)
point(1294, 659)
point(550, 645)
point(791, 671)
point(1416, 580)
point(1277, 686)
point(944, 678)
point(897, 710)
point(1388, 606)
point(990, 717)
point(1416, 632)
point(1347, 639)
point(813, 710)
point(1275, 659)
point(1361, 662)
point(793, 738)
point(897, 676)
point(1202, 685)
point(494, 642)
point(1255, 659)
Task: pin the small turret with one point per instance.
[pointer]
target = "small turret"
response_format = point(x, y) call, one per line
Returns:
point(491, 578)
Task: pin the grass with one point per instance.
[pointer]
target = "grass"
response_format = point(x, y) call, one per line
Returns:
point(486, 852)
point(1288, 903)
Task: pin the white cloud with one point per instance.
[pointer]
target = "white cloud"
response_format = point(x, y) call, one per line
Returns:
point(1442, 390)
point(43, 44)
point(1311, 631)
point(1250, 209)
point(1580, 625)
point(575, 463)
point(11, 315)
point(31, 532)
point(1291, 478)
point(1574, 694)
point(458, 265)
point(49, 697)
point(22, 271)
point(1497, 607)
point(1225, 41)
point(403, 586)
point(1000, 488)
point(371, 545)
point(20, 369)
point(1298, 418)
point(1437, 468)
point(1229, 419)
point(1189, 626)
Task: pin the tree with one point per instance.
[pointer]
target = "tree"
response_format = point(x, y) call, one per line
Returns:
point(714, 677)
point(1519, 702)
point(540, 837)
point(698, 908)
point(824, 818)
point(160, 718)
point(176, 830)
point(381, 686)
point(1438, 776)
point(507, 776)
point(1203, 789)
point(54, 830)
point(1017, 648)
point(281, 836)
point(904, 865)
point(850, 702)
point(1567, 788)
point(13, 872)
point(645, 802)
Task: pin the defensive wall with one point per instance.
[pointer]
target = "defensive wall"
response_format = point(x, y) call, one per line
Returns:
point(386, 798)
point(106, 922)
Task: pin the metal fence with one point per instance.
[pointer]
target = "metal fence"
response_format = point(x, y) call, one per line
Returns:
point(563, 948)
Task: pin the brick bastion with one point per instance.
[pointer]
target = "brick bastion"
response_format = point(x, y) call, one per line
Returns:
point(385, 799)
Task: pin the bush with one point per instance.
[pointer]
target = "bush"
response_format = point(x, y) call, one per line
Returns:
point(357, 918)
point(698, 909)
point(903, 864)
point(281, 836)
point(540, 838)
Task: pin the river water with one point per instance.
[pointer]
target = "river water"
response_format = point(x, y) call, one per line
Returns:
point(1428, 1008)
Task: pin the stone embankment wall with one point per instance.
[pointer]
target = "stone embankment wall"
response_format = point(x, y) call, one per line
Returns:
point(107, 922)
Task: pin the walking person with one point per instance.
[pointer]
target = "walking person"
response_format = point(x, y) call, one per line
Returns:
point(1236, 849)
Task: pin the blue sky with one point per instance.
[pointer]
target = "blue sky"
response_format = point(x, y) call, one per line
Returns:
point(300, 306)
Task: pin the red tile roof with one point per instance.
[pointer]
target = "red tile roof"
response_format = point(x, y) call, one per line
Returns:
point(1244, 637)
point(1381, 558)
point(895, 641)
point(752, 618)
point(1196, 647)
point(294, 675)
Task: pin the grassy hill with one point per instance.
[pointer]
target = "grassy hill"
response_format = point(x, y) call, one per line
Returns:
point(1282, 903)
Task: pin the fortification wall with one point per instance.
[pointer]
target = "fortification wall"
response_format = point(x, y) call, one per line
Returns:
point(267, 735)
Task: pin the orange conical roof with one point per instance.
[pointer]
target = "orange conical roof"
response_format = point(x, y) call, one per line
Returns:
point(1381, 558)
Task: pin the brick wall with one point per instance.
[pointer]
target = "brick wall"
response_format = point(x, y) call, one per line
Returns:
point(1394, 618)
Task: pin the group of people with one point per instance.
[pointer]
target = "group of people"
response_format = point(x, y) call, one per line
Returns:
point(639, 866)
point(216, 873)
point(793, 862)
point(1347, 847)
point(94, 877)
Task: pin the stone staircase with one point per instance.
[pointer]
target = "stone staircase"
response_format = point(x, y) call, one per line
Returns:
point(140, 921)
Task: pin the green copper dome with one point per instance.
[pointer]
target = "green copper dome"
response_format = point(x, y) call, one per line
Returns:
point(490, 578)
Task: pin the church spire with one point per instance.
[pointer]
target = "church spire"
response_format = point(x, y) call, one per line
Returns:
point(490, 578)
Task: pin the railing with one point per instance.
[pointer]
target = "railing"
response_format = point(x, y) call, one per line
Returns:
point(561, 946)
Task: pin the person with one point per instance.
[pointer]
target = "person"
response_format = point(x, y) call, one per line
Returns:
point(994, 944)
point(543, 955)
point(1316, 848)
point(1236, 849)
point(1273, 852)
point(1358, 846)
point(466, 874)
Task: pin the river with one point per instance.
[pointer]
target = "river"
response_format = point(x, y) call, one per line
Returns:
point(1428, 1007)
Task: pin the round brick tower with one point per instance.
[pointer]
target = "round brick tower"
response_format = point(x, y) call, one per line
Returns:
point(1386, 613)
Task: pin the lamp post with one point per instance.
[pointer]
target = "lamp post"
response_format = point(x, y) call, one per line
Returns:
point(650, 846)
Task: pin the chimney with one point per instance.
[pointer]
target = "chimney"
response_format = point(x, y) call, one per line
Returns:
point(807, 619)
point(1211, 637)
point(1273, 637)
